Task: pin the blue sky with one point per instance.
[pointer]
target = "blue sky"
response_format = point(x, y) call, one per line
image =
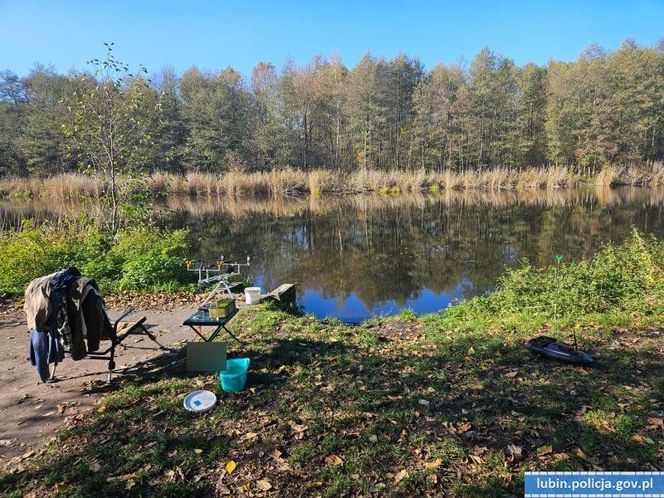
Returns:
point(217, 34)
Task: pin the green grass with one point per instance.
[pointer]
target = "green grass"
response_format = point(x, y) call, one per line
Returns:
point(441, 402)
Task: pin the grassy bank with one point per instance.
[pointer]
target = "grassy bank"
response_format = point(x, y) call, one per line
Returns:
point(409, 406)
point(286, 182)
point(143, 258)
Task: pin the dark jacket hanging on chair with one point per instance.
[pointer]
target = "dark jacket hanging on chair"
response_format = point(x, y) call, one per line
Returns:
point(88, 315)
point(60, 321)
point(64, 310)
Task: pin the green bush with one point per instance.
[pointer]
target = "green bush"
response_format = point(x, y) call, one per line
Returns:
point(143, 258)
point(162, 266)
point(627, 277)
point(32, 252)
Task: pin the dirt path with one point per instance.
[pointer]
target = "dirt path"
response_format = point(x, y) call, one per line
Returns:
point(32, 413)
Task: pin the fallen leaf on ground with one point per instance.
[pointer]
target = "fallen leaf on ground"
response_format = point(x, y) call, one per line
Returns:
point(544, 450)
point(333, 460)
point(297, 427)
point(263, 485)
point(640, 438)
point(582, 455)
point(230, 466)
point(465, 427)
point(276, 454)
point(63, 487)
point(401, 475)
point(26, 455)
point(222, 489)
point(125, 477)
point(656, 421)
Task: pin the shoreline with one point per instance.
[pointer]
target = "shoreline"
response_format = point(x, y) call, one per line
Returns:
point(296, 183)
point(411, 405)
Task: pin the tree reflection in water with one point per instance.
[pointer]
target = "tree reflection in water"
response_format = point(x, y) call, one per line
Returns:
point(357, 256)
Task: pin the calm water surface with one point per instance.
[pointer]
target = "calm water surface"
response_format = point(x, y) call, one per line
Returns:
point(361, 257)
point(358, 257)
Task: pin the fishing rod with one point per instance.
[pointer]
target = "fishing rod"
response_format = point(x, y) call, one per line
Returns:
point(221, 271)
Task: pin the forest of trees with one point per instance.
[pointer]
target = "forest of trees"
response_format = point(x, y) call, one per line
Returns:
point(604, 108)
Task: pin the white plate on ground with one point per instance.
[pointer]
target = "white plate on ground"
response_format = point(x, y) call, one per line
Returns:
point(200, 401)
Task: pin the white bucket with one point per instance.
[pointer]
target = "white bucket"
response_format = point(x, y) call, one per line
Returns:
point(252, 295)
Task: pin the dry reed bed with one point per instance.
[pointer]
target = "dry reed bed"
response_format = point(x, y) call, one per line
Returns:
point(290, 182)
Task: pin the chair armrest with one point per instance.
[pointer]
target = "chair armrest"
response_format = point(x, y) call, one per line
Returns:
point(126, 313)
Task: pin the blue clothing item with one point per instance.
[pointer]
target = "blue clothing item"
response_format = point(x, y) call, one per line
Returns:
point(44, 349)
point(64, 278)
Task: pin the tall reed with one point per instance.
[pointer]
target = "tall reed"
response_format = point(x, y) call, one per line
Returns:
point(291, 182)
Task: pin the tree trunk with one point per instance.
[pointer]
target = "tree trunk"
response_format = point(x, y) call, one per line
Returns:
point(306, 141)
point(114, 201)
point(336, 149)
point(366, 144)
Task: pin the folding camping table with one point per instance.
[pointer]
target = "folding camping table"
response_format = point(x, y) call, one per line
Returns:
point(202, 319)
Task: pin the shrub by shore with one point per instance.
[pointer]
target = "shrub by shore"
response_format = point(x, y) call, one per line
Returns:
point(134, 258)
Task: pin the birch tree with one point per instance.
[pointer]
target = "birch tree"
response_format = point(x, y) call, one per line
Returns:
point(111, 125)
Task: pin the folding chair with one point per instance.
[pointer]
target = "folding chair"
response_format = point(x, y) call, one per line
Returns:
point(129, 328)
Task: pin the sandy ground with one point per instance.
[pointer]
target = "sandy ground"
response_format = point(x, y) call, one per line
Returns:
point(31, 413)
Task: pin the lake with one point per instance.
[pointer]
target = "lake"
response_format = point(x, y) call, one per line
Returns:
point(355, 257)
